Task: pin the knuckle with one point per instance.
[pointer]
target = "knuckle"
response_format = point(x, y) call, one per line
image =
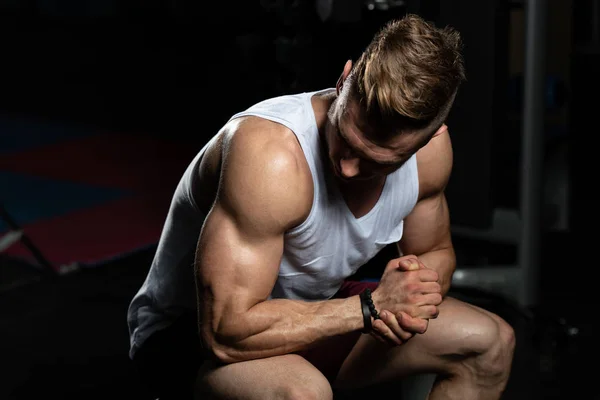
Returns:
point(411, 287)
point(433, 311)
point(412, 298)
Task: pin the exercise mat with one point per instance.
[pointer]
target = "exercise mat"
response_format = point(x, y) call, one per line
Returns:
point(84, 196)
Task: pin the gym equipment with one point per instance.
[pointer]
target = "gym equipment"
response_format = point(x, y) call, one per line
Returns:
point(522, 227)
point(14, 277)
point(17, 234)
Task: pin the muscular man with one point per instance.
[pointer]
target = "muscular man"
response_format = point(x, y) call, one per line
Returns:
point(249, 296)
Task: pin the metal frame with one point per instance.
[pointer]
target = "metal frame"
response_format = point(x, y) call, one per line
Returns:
point(17, 234)
point(520, 282)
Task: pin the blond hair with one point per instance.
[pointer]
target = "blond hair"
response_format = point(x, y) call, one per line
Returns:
point(411, 72)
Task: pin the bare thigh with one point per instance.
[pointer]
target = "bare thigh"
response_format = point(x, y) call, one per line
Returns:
point(282, 377)
point(461, 329)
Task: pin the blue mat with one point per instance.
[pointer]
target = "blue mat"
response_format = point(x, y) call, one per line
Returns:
point(22, 133)
point(31, 198)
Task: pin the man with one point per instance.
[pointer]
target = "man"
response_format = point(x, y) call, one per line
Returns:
point(283, 205)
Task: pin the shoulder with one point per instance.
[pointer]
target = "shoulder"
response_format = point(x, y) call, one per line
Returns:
point(434, 163)
point(264, 162)
point(267, 143)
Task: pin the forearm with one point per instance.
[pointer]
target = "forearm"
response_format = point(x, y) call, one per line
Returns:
point(279, 326)
point(444, 262)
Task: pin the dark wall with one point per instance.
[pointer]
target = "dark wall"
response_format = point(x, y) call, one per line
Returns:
point(166, 67)
point(179, 68)
point(479, 114)
point(155, 67)
point(583, 120)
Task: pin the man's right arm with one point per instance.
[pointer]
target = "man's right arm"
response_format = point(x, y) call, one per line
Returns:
point(263, 192)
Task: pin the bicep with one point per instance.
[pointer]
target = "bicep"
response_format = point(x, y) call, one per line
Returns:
point(241, 243)
point(427, 227)
point(235, 267)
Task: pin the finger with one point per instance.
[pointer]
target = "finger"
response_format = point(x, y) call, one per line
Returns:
point(405, 263)
point(386, 332)
point(411, 324)
point(434, 299)
point(392, 323)
point(381, 338)
point(428, 275)
point(427, 311)
point(430, 288)
point(378, 337)
point(410, 263)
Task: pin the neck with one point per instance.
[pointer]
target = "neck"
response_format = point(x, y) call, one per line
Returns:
point(361, 185)
point(321, 104)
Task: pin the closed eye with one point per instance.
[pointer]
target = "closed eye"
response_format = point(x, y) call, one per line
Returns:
point(393, 164)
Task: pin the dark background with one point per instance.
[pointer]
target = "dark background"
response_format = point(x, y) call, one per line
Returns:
point(179, 69)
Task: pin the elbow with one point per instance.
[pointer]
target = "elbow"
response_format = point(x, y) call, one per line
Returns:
point(221, 348)
point(444, 263)
point(446, 286)
point(223, 355)
point(449, 277)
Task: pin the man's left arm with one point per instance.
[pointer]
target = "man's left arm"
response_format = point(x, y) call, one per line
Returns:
point(427, 228)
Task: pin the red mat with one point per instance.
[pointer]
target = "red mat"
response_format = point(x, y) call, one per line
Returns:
point(146, 170)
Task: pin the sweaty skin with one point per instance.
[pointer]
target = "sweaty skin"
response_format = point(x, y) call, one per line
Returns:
point(263, 187)
point(240, 249)
point(263, 348)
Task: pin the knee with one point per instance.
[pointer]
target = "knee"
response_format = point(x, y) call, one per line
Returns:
point(316, 387)
point(494, 348)
point(306, 391)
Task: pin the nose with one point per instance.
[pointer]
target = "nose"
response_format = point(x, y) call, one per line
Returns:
point(349, 167)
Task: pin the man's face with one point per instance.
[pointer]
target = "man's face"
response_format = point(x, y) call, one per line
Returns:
point(353, 156)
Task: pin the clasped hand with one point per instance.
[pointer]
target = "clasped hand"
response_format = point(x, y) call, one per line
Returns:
point(407, 298)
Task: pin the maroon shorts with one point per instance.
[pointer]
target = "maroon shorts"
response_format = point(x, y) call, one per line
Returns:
point(329, 357)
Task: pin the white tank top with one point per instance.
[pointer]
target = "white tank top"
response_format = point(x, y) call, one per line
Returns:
point(329, 246)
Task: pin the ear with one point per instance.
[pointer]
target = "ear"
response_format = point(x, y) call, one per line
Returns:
point(343, 76)
point(442, 129)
